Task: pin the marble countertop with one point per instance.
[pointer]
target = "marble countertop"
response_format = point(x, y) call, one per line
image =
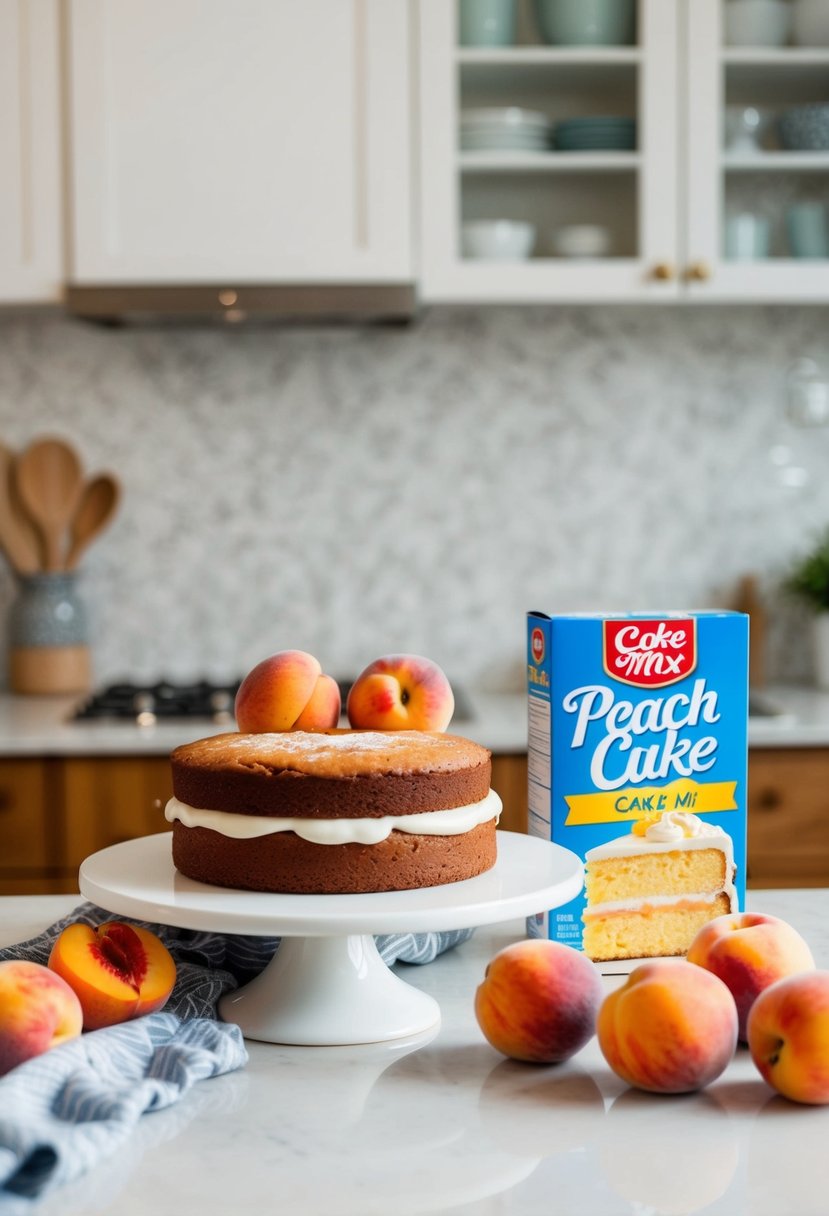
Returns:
point(446, 1125)
point(42, 726)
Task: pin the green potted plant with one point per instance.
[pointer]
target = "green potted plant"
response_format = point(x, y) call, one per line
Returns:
point(809, 582)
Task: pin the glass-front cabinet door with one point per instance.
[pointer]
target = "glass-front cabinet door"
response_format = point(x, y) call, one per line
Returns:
point(549, 151)
point(757, 135)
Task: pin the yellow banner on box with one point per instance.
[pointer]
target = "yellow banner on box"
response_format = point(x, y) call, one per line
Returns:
point(645, 802)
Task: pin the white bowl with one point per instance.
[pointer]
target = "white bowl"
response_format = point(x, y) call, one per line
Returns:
point(497, 240)
point(810, 22)
point(581, 241)
point(757, 22)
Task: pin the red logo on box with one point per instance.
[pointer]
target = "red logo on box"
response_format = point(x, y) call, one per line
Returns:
point(537, 644)
point(650, 654)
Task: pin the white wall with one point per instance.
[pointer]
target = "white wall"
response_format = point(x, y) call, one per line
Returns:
point(358, 491)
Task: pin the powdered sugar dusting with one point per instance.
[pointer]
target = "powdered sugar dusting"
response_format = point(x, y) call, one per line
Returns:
point(340, 753)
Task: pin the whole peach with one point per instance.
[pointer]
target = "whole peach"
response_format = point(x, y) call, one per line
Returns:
point(670, 1029)
point(118, 971)
point(287, 691)
point(749, 951)
point(38, 1010)
point(538, 1001)
point(401, 692)
point(788, 1036)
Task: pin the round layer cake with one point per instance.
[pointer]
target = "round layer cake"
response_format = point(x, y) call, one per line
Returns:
point(332, 812)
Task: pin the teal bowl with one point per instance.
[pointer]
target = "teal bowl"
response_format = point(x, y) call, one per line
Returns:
point(586, 22)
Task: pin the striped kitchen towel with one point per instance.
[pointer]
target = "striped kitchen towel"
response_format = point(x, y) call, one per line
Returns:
point(70, 1108)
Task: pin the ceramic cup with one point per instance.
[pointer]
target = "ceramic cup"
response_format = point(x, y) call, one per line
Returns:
point(807, 230)
point(747, 236)
point(487, 22)
point(586, 22)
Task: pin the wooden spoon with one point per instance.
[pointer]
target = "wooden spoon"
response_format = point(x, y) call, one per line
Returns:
point(18, 538)
point(96, 506)
point(49, 477)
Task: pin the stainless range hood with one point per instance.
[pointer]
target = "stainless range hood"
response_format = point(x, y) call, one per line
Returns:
point(344, 302)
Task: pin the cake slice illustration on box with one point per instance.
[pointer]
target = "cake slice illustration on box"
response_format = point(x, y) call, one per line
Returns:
point(650, 891)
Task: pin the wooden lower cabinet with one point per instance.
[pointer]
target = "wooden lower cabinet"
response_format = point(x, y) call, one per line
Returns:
point(54, 812)
point(30, 840)
point(788, 817)
point(509, 780)
point(108, 800)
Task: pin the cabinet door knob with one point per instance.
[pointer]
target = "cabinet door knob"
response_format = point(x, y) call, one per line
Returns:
point(769, 799)
point(698, 272)
point(663, 271)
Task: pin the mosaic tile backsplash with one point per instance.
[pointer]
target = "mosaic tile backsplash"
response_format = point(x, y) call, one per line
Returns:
point(358, 491)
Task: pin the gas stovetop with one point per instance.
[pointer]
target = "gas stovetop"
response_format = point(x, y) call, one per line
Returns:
point(146, 704)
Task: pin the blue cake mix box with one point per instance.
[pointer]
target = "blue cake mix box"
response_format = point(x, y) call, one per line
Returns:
point(637, 749)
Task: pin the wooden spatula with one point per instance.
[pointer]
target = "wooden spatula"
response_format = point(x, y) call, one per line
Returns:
point(96, 506)
point(18, 538)
point(49, 478)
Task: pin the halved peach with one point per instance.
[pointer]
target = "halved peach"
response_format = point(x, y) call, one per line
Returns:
point(118, 971)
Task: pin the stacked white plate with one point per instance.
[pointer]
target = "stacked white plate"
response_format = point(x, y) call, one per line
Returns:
point(504, 129)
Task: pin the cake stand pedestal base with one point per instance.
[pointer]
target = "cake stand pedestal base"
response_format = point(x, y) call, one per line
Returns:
point(327, 984)
point(321, 991)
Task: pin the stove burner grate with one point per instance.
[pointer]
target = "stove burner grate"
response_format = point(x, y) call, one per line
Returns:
point(146, 703)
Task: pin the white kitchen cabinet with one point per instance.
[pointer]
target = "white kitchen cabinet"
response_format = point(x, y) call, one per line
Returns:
point(664, 204)
point(263, 142)
point(761, 183)
point(31, 233)
point(633, 194)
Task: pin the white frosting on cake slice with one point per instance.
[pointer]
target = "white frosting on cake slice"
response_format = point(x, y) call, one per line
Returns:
point(672, 832)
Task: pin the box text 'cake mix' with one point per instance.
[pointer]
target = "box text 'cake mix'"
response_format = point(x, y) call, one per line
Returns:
point(637, 747)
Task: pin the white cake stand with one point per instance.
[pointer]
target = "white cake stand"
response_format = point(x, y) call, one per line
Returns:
point(327, 983)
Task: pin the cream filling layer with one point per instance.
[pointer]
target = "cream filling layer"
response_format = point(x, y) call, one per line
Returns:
point(452, 822)
point(655, 901)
